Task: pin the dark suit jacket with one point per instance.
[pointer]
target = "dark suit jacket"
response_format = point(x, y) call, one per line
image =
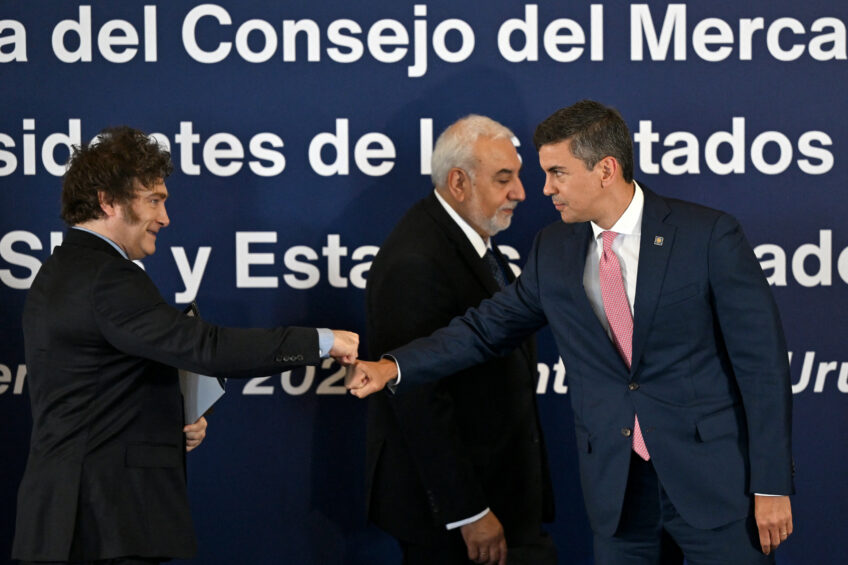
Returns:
point(449, 450)
point(105, 475)
point(710, 375)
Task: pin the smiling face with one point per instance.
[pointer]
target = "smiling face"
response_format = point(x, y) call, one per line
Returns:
point(138, 222)
point(496, 189)
point(577, 192)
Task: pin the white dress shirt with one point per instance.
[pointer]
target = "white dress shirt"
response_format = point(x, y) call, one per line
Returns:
point(476, 240)
point(625, 247)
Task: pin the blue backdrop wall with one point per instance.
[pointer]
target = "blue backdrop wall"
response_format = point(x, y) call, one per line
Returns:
point(301, 132)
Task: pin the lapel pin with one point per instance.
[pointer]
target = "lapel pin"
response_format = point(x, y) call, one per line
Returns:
point(658, 240)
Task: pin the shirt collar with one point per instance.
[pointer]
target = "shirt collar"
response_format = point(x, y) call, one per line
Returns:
point(630, 222)
point(104, 238)
point(480, 246)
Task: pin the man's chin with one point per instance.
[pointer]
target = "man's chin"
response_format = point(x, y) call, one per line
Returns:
point(503, 223)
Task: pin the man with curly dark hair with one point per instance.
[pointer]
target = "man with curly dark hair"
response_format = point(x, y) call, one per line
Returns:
point(105, 479)
point(123, 170)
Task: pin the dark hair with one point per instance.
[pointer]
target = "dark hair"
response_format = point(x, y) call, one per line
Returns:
point(112, 163)
point(596, 131)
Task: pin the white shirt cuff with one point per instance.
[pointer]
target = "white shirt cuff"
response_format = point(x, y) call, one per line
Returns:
point(392, 386)
point(326, 340)
point(455, 525)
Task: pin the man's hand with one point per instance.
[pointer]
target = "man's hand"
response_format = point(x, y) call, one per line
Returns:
point(367, 377)
point(774, 520)
point(485, 540)
point(195, 433)
point(345, 347)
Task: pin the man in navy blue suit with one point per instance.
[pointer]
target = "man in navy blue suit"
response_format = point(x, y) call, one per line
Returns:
point(679, 384)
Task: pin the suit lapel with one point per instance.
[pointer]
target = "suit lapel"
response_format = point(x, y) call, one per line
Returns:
point(574, 264)
point(654, 250)
point(475, 263)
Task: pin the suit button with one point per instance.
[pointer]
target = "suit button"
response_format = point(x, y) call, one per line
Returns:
point(626, 432)
point(633, 386)
point(278, 358)
point(300, 357)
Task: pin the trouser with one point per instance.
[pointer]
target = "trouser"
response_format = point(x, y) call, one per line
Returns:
point(651, 532)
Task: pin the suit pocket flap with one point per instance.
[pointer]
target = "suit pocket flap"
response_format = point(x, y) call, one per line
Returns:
point(152, 455)
point(678, 295)
point(722, 423)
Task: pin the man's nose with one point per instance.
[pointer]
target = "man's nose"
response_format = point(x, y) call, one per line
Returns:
point(517, 192)
point(163, 217)
point(547, 190)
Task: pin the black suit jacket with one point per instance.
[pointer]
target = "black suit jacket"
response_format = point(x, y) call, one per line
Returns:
point(472, 441)
point(710, 375)
point(105, 475)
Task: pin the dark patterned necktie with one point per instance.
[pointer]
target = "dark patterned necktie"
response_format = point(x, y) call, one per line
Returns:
point(495, 268)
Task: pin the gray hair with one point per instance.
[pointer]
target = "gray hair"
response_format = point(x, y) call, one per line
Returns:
point(455, 146)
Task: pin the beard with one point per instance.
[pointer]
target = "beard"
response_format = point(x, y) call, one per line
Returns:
point(493, 224)
point(497, 223)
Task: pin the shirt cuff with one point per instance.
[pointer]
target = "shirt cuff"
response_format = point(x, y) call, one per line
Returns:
point(326, 339)
point(455, 525)
point(392, 386)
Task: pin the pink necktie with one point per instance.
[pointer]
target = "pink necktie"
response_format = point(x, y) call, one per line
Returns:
point(620, 319)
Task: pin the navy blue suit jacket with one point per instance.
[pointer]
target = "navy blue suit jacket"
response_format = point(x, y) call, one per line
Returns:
point(710, 374)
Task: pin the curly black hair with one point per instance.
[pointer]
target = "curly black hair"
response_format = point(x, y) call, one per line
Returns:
point(111, 164)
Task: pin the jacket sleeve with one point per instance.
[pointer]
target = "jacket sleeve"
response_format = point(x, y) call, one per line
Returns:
point(492, 329)
point(753, 335)
point(135, 319)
